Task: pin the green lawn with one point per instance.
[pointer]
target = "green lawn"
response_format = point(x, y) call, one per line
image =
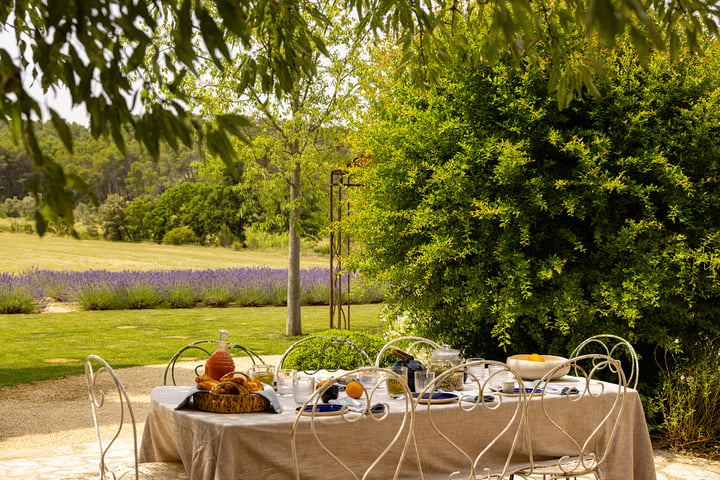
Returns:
point(21, 251)
point(52, 345)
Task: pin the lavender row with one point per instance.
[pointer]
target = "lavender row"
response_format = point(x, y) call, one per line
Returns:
point(105, 290)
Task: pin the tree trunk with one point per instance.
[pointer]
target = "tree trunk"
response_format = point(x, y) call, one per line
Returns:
point(293, 325)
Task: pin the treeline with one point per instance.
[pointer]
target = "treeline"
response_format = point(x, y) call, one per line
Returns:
point(182, 197)
point(99, 162)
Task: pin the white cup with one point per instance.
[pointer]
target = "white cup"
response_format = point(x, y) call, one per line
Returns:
point(508, 386)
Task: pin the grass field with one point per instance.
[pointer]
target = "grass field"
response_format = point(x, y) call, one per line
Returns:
point(21, 251)
point(52, 345)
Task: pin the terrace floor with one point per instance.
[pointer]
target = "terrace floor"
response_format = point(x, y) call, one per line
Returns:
point(46, 432)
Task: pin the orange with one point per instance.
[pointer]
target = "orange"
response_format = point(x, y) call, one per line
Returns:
point(320, 384)
point(534, 357)
point(354, 390)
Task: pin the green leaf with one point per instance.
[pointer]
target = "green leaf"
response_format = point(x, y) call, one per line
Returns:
point(63, 130)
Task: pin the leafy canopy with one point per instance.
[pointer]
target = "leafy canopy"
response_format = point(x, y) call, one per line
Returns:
point(95, 47)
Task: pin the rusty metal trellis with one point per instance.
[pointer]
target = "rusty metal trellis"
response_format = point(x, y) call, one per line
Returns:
point(339, 246)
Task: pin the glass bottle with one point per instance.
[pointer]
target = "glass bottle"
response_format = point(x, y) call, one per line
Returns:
point(220, 362)
point(407, 360)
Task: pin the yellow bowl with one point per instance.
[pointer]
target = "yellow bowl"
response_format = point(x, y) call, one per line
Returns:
point(530, 370)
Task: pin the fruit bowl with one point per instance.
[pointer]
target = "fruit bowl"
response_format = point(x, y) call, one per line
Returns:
point(530, 367)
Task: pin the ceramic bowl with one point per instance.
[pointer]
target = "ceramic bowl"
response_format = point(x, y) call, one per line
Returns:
point(530, 370)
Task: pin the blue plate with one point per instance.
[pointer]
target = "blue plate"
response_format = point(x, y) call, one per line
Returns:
point(321, 409)
point(437, 397)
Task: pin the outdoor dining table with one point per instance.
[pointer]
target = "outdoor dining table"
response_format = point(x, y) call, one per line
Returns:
point(258, 445)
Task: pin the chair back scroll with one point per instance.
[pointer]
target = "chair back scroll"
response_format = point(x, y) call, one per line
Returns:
point(202, 348)
point(418, 347)
point(391, 424)
point(492, 458)
point(324, 353)
point(615, 347)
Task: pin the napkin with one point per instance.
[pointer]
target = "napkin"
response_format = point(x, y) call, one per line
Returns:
point(474, 398)
point(269, 393)
point(560, 390)
point(185, 401)
point(357, 406)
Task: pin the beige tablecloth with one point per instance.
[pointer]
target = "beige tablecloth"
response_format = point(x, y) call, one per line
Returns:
point(258, 445)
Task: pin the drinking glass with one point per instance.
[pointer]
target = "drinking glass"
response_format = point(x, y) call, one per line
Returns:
point(303, 386)
point(395, 388)
point(284, 380)
point(494, 372)
point(477, 370)
point(368, 380)
point(264, 373)
point(423, 378)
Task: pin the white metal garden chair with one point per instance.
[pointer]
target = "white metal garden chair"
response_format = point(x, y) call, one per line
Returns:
point(392, 424)
point(578, 448)
point(479, 397)
point(615, 347)
point(108, 396)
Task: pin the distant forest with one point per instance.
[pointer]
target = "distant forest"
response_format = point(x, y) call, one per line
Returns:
point(139, 198)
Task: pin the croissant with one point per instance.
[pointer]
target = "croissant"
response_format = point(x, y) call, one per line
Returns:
point(204, 378)
point(226, 388)
point(254, 386)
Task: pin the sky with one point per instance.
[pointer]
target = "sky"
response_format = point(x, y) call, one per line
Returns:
point(59, 100)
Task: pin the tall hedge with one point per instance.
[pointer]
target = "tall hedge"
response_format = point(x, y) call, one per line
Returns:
point(502, 224)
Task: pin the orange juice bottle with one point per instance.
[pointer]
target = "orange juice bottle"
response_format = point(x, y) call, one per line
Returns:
point(220, 362)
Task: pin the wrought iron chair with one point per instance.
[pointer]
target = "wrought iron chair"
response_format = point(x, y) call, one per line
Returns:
point(324, 353)
point(418, 347)
point(615, 347)
point(490, 457)
point(577, 448)
point(103, 378)
point(203, 348)
point(391, 424)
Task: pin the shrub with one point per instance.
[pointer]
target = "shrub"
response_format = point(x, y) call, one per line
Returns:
point(19, 294)
point(180, 236)
point(225, 237)
point(100, 296)
point(139, 295)
point(688, 398)
point(342, 355)
point(111, 217)
point(501, 224)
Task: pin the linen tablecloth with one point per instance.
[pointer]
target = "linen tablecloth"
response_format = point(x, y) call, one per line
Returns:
point(258, 445)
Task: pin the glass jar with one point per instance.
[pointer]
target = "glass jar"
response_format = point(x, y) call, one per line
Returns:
point(442, 360)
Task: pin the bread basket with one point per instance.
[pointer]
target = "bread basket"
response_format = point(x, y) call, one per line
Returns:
point(242, 402)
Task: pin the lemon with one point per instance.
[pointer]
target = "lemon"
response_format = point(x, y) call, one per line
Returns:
point(534, 357)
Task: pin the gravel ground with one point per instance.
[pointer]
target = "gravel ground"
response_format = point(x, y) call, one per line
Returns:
point(52, 414)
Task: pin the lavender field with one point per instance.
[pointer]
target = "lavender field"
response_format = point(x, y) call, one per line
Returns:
point(29, 291)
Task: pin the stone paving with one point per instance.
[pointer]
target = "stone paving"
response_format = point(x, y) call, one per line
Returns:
point(80, 462)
